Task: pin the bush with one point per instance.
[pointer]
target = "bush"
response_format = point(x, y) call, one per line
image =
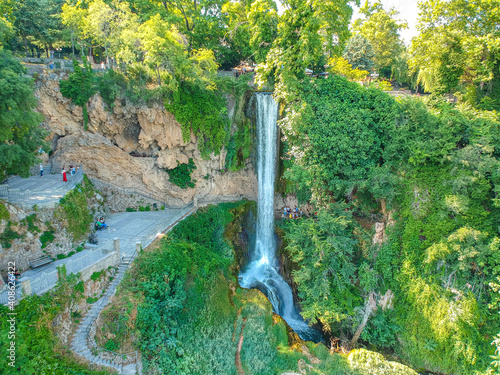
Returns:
point(4, 213)
point(47, 237)
point(92, 300)
point(181, 175)
point(97, 275)
point(111, 345)
point(73, 209)
point(30, 222)
point(8, 236)
point(110, 85)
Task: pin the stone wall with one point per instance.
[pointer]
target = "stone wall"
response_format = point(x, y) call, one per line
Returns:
point(29, 245)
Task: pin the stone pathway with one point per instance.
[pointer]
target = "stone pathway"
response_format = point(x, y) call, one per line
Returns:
point(134, 225)
point(42, 191)
point(129, 227)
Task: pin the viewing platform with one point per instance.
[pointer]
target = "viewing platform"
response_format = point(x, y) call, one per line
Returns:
point(42, 191)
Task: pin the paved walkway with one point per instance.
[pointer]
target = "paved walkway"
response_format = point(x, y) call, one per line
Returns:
point(132, 227)
point(129, 227)
point(46, 190)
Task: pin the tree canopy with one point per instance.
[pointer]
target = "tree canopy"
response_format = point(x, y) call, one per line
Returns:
point(20, 134)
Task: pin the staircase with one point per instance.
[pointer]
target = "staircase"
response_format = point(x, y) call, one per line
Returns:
point(84, 344)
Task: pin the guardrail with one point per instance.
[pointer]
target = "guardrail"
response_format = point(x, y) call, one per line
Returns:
point(44, 281)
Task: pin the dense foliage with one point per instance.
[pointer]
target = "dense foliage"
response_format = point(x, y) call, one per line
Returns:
point(202, 111)
point(436, 166)
point(74, 209)
point(188, 304)
point(20, 134)
point(38, 351)
point(181, 175)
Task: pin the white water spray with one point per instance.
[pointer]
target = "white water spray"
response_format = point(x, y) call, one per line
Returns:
point(262, 270)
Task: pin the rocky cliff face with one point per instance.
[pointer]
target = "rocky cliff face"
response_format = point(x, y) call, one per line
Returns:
point(131, 146)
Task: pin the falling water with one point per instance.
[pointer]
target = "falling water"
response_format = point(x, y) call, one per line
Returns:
point(262, 270)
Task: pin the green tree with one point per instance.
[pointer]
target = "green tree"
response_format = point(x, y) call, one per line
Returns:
point(337, 134)
point(114, 27)
point(235, 44)
point(382, 31)
point(359, 53)
point(458, 43)
point(6, 31)
point(20, 133)
point(324, 250)
point(263, 19)
point(73, 17)
point(309, 32)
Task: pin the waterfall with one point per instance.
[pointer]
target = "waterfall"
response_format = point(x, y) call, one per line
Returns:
point(262, 270)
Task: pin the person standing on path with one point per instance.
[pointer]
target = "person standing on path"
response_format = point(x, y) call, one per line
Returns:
point(41, 170)
point(64, 174)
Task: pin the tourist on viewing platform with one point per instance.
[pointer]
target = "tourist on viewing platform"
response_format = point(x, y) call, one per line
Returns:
point(51, 54)
point(102, 223)
point(51, 65)
point(72, 169)
point(41, 170)
point(63, 171)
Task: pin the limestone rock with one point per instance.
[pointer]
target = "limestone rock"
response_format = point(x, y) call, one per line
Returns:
point(130, 145)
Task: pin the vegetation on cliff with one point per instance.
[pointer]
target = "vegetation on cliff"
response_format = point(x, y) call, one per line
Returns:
point(436, 167)
point(37, 348)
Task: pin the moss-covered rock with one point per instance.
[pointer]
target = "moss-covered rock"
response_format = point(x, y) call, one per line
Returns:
point(372, 363)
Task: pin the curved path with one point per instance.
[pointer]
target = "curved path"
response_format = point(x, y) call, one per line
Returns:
point(130, 226)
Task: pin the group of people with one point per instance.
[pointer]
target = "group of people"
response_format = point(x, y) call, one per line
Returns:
point(288, 213)
point(100, 224)
point(72, 170)
point(14, 276)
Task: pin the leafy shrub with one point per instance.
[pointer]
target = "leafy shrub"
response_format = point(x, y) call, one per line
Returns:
point(80, 87)
point(4, 213)
point(79, 288)
point(111, 345)
point(30, 222)
point(97, 275)
point(181, 175)
point(91, 300)
point(110, 85)
point(73, 209)
point(202, 110)
point(8, 236)
point(130, 209)
point(47, 237)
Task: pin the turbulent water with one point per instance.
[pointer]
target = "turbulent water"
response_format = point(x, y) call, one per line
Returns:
point(262, 270)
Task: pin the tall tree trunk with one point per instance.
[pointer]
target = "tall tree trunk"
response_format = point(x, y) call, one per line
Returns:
point(368, 312)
